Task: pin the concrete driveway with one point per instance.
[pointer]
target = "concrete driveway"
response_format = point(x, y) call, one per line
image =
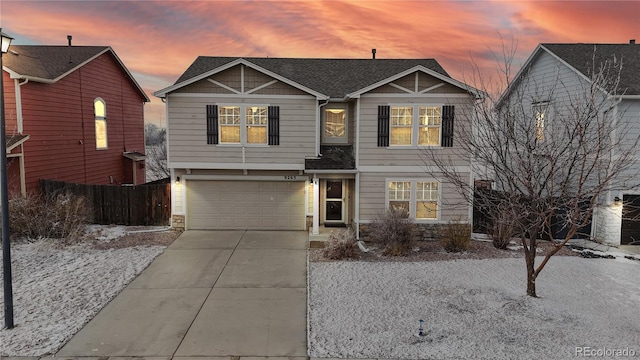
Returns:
point(221, 294)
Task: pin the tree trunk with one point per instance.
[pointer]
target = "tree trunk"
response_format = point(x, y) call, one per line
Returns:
point(531, 273)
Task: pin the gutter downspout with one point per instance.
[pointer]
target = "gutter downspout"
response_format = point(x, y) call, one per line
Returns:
point(356, 214)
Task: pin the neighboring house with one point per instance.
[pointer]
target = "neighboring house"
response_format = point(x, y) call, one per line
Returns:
point(557, 76)
point(285, 143)
point(73, 113)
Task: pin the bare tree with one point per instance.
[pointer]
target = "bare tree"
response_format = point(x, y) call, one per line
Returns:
point(553, 149)
point(156, 151)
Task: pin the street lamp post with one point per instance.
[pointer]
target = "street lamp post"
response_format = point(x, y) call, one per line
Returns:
point(4, 198)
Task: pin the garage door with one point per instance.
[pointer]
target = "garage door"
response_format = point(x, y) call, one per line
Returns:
point(267, 205)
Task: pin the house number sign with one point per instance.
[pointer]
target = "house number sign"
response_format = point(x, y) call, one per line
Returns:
point(290, 177)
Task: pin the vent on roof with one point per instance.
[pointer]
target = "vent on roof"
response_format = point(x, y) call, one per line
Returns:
point(69, 37)
point(632, 41)
point(373, 52)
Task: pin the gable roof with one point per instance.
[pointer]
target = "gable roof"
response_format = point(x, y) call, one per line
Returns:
point(49, 64)
point(582, 56)
point(333, 78)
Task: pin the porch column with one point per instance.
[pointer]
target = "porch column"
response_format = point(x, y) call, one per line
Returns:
point(316, 206)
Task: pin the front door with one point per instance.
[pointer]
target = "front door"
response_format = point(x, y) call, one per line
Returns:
point(334, 202)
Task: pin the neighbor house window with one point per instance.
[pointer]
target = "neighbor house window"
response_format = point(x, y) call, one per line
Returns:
point(540, 113)
point(418, 198)
point(415, 125)
point(100, 115)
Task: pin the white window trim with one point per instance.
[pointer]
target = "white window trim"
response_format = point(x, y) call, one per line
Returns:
point(413, 200)
point(415, 126)
point(243, 125)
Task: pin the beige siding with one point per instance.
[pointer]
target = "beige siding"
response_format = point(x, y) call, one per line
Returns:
point(373, 190)
point(372, 155)
point(187, 132)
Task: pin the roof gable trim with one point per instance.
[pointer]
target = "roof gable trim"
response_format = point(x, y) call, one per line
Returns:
point(240, 61)
point(446, 79)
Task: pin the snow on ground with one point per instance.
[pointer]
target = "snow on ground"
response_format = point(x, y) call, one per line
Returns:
point(473, 309)
point(56, 291)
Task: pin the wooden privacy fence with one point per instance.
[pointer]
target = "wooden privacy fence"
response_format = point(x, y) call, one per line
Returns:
point(147, 204)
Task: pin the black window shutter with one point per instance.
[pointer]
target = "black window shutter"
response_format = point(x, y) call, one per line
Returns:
point(274, 125)
point(447, 125)
point(212, 124)
point(383, 125)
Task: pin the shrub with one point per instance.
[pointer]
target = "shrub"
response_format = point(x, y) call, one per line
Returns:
point(341, 245)
point(502, 230)
point(455, 236)
point(394, 230)
point(58, 216)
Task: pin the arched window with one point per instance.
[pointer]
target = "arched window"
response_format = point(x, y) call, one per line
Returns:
point(100, 113)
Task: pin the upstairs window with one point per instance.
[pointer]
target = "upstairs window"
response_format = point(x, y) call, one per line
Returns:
point(229, 124)
point(401, 125)
point(243, 124)
point(429, 125)
point(540, 114)
point(415, 125)
point(256, 124)
point(335, 126)
point(100, 116)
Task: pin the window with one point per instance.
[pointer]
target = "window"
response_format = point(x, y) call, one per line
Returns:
point(426, 200)
point(400, 195)
point(418, 197)
point(243, 124)
point(335, 121)
point(229, 124)
point(401, 125)
point(256, 125)
point(100, 115)
point(415, 125)
point(540, 111)
point(429, 126)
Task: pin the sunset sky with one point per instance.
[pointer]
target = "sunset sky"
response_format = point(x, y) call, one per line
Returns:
point(158, 40)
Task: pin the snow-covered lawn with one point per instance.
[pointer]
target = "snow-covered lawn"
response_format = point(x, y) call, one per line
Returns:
point(56, 291)
point(473, 309)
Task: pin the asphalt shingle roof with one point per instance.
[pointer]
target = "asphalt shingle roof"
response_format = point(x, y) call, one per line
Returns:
point(333, 77)
point(48, 62)
point(582, 57)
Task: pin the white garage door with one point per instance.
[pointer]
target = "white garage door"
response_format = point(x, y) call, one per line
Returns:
point(266, 205)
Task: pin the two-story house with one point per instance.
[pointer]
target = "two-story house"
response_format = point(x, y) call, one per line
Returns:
point(291, 143)
point(601, 83)
point(73, 113)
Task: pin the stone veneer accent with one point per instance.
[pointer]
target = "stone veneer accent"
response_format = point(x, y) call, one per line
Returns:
point(177, 222)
